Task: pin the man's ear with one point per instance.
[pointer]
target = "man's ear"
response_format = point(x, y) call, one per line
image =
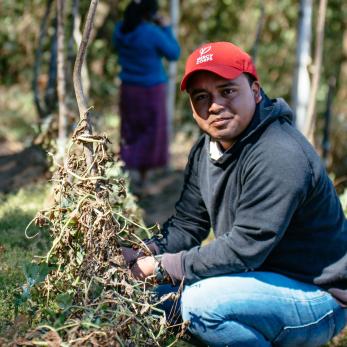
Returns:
point(256, 91)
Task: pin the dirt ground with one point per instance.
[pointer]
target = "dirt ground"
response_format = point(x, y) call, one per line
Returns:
point(20, 166)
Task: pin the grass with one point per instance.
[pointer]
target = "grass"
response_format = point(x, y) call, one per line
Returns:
point(16, 211)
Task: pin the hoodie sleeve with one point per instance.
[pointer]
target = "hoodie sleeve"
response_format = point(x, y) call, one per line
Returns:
point(166, 43)
point(273, 187)
point(115, 35)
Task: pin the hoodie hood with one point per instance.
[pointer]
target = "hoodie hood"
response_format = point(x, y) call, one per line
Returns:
point(267, 111)
point(125, 39)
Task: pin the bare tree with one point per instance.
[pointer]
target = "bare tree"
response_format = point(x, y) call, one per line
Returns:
point(327, 120)
point(41, 109)
point(51, 89)
point(171, 95)
point(301, 84)
point(77, 34)
point(71, 50)
point(311, 112)
point(61, 83)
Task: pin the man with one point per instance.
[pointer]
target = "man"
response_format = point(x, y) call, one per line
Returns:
point(276, 271)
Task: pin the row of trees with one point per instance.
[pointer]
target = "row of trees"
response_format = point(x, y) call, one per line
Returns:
point(277, 34)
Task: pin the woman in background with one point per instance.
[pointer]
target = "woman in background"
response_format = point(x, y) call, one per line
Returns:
point(142, 39)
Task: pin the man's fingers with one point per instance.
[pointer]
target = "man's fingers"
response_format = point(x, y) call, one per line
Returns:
point(137, 272)
point(144, 267)
point(130, 255)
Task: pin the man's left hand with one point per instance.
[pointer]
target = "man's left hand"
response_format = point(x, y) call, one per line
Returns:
point(144, 267)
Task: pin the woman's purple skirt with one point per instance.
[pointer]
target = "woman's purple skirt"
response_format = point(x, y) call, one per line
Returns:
point(144, 140)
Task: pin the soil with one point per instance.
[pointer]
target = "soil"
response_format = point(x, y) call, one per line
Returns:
point(20, 166)
point(164, 187)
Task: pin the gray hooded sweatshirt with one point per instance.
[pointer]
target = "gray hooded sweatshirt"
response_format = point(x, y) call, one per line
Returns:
point(269, 202)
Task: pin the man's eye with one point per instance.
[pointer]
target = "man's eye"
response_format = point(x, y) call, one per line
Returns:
point(200, 97)
point(227, 92)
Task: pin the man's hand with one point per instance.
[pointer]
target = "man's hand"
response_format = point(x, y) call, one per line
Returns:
point(144, 267)
point(130, 255)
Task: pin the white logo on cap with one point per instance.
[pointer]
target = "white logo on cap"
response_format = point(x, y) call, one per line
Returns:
point(205, 50)
point(203, 56)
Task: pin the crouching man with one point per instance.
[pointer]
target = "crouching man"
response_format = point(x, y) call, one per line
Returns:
point(276, 272)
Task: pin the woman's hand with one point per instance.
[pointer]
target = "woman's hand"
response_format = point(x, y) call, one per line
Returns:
point(162, 21)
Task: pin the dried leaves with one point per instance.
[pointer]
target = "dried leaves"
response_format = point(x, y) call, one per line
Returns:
point(92, 297)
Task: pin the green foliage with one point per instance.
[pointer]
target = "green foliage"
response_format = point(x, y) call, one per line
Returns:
point(18, 31)
point(34, 275)
point(201, 21)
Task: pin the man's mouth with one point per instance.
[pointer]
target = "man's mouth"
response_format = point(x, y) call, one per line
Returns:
point(220, 121)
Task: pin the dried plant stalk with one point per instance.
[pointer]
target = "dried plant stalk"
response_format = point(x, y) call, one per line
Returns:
point(90, 296)
point(91, 290)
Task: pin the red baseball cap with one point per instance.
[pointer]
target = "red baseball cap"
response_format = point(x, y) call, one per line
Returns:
point(222, 58)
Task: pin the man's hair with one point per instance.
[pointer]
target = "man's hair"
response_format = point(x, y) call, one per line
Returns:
point(136, 11)
point(250, 78)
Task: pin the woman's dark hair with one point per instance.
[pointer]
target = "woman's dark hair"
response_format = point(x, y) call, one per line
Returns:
point(136, 11)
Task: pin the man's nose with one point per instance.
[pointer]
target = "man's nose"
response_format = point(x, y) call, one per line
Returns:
point(216, 106)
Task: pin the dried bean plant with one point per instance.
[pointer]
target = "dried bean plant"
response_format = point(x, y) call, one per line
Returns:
point(89, 296)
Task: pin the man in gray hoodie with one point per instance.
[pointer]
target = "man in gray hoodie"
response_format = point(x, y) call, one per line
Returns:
point(276, 272)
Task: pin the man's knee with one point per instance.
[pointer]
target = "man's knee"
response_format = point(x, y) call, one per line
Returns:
point(214, 325)
point(201, 308)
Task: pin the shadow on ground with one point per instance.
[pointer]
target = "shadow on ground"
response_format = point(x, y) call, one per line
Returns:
point(21, 168)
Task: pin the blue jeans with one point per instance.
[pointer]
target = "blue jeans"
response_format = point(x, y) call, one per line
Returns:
point(260, 309)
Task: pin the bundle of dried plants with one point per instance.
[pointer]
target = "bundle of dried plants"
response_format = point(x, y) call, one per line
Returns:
point(82, 292)
point(89, 296)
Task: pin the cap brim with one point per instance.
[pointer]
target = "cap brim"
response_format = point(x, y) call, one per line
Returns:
point(226, 72)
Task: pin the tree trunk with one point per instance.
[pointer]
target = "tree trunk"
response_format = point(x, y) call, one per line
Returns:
point(327, 120)
point(51, 89)
point(301, 85)
point(311, 112)
point(171, 94)
point(62, 123)
point(260, 26)
point(71, 51)
point(38, 60)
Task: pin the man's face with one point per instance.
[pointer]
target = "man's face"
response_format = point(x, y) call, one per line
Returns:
point(222, 108)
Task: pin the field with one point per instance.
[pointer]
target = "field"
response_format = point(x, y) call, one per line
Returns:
point(19, 206)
